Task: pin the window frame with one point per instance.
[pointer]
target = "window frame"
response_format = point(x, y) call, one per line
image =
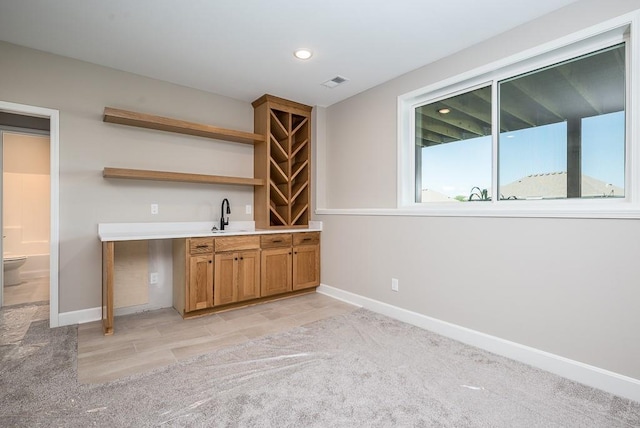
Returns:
point(623, 29)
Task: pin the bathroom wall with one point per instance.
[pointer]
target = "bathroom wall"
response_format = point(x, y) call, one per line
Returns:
point(26, 200)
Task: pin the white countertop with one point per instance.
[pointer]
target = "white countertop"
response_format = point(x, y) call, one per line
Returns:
point(146, 231)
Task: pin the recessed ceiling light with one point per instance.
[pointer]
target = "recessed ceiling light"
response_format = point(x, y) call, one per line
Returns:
point(303, 53)
point(444, 111)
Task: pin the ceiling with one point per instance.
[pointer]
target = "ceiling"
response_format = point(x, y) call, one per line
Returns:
point(244, 48)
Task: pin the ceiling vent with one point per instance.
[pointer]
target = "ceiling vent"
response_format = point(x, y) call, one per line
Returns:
point(338, 80)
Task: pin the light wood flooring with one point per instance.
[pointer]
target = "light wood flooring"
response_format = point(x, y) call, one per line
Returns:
point(153, 339)
point(28, 291)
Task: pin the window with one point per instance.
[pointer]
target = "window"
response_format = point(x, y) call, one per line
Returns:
point(453, 147)
point(553, 127)
point(562, 130)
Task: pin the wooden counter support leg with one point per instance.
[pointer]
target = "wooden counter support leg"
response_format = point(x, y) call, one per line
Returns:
point(107, 287)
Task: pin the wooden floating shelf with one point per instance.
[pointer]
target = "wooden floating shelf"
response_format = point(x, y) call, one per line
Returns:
point(140, 174)
point(142, 120)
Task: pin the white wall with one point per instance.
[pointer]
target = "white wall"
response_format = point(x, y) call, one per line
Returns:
point(80, 91)
point(565, 286)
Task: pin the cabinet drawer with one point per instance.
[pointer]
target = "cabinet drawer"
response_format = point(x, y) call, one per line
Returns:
point(306, 238)
point(275, 241)
point(200, 245)
point(237, 243)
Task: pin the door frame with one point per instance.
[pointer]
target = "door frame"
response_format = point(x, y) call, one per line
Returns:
point(54, 215)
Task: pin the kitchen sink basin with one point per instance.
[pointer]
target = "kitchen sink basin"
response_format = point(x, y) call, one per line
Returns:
point(226, 232)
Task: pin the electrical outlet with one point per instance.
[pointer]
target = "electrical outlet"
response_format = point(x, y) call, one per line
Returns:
point(394, 284)
point(247, 209)
point(153, 278)
point(154, 208)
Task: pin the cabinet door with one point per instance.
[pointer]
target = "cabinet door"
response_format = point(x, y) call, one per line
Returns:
point(248, 275)
point(276, 271)
point(224, 286)
point(306, 266)
point(200, 292)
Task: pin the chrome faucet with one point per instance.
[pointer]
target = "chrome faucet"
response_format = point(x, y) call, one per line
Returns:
point(224, 223)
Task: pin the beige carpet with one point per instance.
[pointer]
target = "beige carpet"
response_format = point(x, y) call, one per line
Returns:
point(355, 370)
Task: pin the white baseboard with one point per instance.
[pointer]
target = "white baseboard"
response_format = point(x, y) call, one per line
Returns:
point(605, 380)
point(34, 274)
point(80, 317)
point(129, 310)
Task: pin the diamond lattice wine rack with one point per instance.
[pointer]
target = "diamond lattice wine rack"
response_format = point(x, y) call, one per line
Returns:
point(283, 161)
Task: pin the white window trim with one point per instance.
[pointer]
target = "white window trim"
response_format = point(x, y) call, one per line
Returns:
point(588, 40)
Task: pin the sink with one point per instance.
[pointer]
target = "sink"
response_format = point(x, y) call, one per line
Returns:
point(224, 232)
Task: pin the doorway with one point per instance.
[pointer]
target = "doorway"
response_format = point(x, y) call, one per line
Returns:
point(20, 119)
point(25, 215)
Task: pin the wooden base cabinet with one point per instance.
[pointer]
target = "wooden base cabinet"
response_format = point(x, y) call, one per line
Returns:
point(306, 260)
point(306, 266)
point(290, 262)
point(212, 274)
point(237, 275)
point(200, 295)
point(248, 275)
point(276, 271)
point(192, 274)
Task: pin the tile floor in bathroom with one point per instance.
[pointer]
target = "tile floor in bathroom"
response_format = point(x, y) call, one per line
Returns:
point(28, 291)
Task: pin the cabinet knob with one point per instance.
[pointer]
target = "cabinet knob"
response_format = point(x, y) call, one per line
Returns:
point(210, 261)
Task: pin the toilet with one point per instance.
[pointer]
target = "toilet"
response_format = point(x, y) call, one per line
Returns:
point(12, 264)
